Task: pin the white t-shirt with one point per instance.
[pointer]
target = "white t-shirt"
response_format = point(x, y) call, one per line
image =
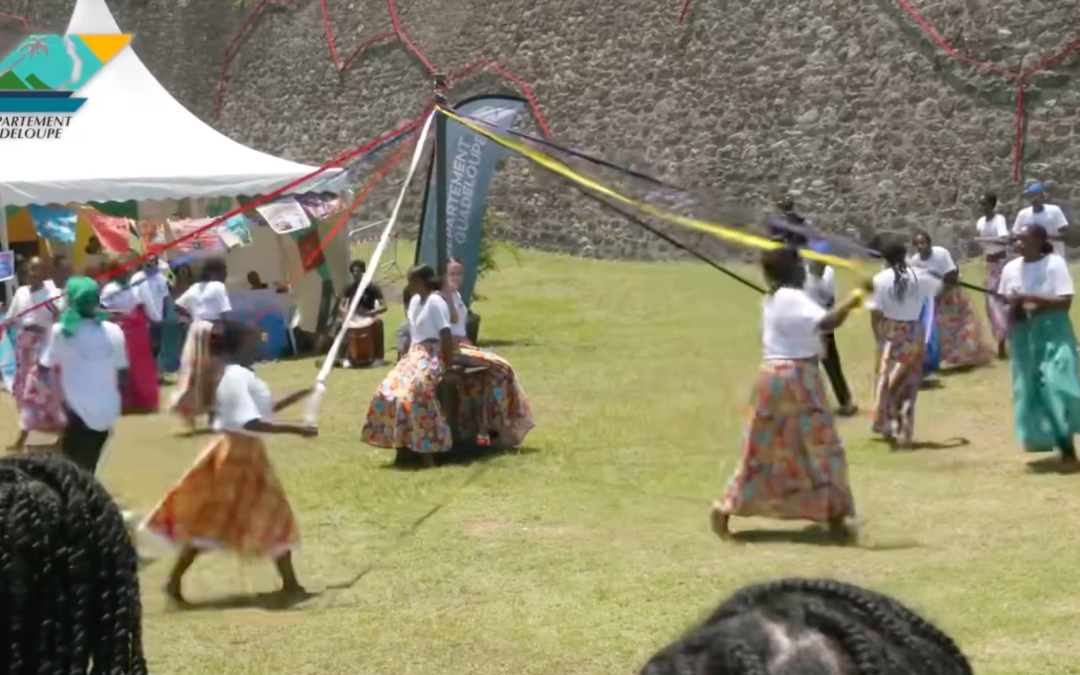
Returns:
point(150, 291)
point(427, 317)
point(1052, 219)
point(993, 227)
point(241, 397)
point(939, 263)
point(23, 299)
point(458, 328)
point(118, 298)
point(1049, 276)
point(920, 286)
point(89, 362)
point(821, 290)
point(789, 320)
point(206, 300)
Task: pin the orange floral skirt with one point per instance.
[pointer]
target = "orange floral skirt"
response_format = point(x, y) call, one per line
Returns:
point(229, 500)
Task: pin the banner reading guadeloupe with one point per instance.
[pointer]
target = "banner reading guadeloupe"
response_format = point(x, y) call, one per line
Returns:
point(471, 161)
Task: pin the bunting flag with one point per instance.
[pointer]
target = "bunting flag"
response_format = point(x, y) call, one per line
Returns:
point(56, 224)
point(284, 216)
point(7, 265)
point(235, 232)
point(308, 244)
point(206, 240)
point(113, 233)
point(321, 206)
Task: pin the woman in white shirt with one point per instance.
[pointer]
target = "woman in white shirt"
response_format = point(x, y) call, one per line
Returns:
point(405, 414)
point(820, 286)
point(493, 408)
point(33, 310)
point(1042, 346)
point(205, 303)
point(231, 499)
point(957, 330)
point(793, 464)
point(900, 293)
point(992, 233)
point(140, 393)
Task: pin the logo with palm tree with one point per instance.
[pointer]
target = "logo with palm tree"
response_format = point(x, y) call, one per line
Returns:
point(39, 78)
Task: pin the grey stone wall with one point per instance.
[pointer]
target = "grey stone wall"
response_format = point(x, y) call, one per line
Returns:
point(845, 101)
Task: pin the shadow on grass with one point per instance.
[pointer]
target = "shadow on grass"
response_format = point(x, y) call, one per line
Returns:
point(960, 370)
point(465, 454)
point(271, 602)
point(495, 344)
point(931, 384)
point(949, 444)
point(1051, 466)
point(815, 535)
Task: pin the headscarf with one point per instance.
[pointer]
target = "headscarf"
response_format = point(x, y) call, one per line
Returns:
point(84, 302)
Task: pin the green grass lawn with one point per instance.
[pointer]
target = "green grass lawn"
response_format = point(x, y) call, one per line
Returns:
point(590, 548)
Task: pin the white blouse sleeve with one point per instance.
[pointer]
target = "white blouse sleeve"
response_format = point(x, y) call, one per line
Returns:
point(188, 299)
point(1002, 229)
point(222, 295)
point(947, 262)
point(19, 302)
point(440, 311)
point(234, 403)
point(1061, 281)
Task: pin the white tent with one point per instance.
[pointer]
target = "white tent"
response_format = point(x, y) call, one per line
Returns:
point(133, 141)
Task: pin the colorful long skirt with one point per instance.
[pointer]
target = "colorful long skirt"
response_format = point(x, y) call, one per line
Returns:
point(230, 500)
point(1046, 381)
point(38, 394)
point(793, 464)
point(194, 395)
point(405, 411)
point(493, 404)
point(140, 394)
point(900, 370)
point(996, 308)
point(960, 333)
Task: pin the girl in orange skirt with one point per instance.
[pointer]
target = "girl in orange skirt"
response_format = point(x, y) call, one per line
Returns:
point(493, 407)
point(231, 499)
point(793, 465)
point(899, 294)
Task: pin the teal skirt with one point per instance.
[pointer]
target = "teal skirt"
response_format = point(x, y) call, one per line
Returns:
point(172, 339)
point(1046, 381)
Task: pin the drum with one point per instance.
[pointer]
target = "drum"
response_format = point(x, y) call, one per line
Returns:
point(360, 340)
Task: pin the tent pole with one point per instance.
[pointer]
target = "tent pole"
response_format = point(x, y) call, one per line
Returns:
point(441, 242)
point(5, 245)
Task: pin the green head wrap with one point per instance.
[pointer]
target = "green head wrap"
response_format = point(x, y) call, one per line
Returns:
point(83, 302)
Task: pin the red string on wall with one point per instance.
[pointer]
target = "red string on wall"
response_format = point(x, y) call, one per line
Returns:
point(396, 34)
point(685, 11)
point(1018, 77)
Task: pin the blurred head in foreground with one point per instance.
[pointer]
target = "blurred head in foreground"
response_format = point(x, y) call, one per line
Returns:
point(811, 627)
point(68, 584)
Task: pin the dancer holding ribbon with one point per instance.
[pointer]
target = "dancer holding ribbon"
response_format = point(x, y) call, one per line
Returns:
point(900, 294)
point(956, 327)
point(993, 235)
point(793, 463)
point(231, 498)
point(493, 408)
point(1042, 346)
point(37, 393)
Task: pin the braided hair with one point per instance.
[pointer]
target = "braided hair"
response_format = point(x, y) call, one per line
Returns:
point(68, 584)
point(895, 254)
point(811, 627)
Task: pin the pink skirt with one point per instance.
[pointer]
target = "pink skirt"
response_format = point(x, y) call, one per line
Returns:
point(140, 395)
point(37, 393)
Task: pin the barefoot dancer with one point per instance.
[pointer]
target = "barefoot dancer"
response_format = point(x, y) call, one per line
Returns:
point(231, 499)
point(793, 464)
point(494, 407)
point(821, 287)
point(37, 393)
point(900, 293)
point(1042, 346)
point(993, 236)
point(205, 303)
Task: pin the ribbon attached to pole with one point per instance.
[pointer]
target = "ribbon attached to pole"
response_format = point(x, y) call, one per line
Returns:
point(311, 410)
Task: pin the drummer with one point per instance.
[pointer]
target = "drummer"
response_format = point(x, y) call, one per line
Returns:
point(372, 305)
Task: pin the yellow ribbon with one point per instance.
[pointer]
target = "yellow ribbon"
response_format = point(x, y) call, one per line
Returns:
point(552, 164)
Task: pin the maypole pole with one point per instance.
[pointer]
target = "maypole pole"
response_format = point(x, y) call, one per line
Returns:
point(441, 239)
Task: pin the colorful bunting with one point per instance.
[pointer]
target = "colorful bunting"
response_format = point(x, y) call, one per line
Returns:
point(235, 232)
point(320, 206)
point(308, 244)
point(55, 224)
point(206, 239)
point(113, 233)
point(284, 216)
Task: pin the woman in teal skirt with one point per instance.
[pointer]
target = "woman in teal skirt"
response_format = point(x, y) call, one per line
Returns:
point(1042, 346)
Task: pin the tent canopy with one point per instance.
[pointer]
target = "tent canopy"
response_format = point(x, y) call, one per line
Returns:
point(133, 141)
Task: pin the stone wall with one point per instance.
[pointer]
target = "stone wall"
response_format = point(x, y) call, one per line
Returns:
point(848, 102)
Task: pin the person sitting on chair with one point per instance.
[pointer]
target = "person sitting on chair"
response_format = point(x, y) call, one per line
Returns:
point(372, 305)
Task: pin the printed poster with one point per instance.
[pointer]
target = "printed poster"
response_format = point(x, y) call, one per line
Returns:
point(284, 217)
point(7, 265)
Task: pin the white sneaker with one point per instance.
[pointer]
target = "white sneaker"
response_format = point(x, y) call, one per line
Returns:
point(346, 364)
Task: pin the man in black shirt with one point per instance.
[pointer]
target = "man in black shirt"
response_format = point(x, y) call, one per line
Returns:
point(784, 214)
point(372, 304)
